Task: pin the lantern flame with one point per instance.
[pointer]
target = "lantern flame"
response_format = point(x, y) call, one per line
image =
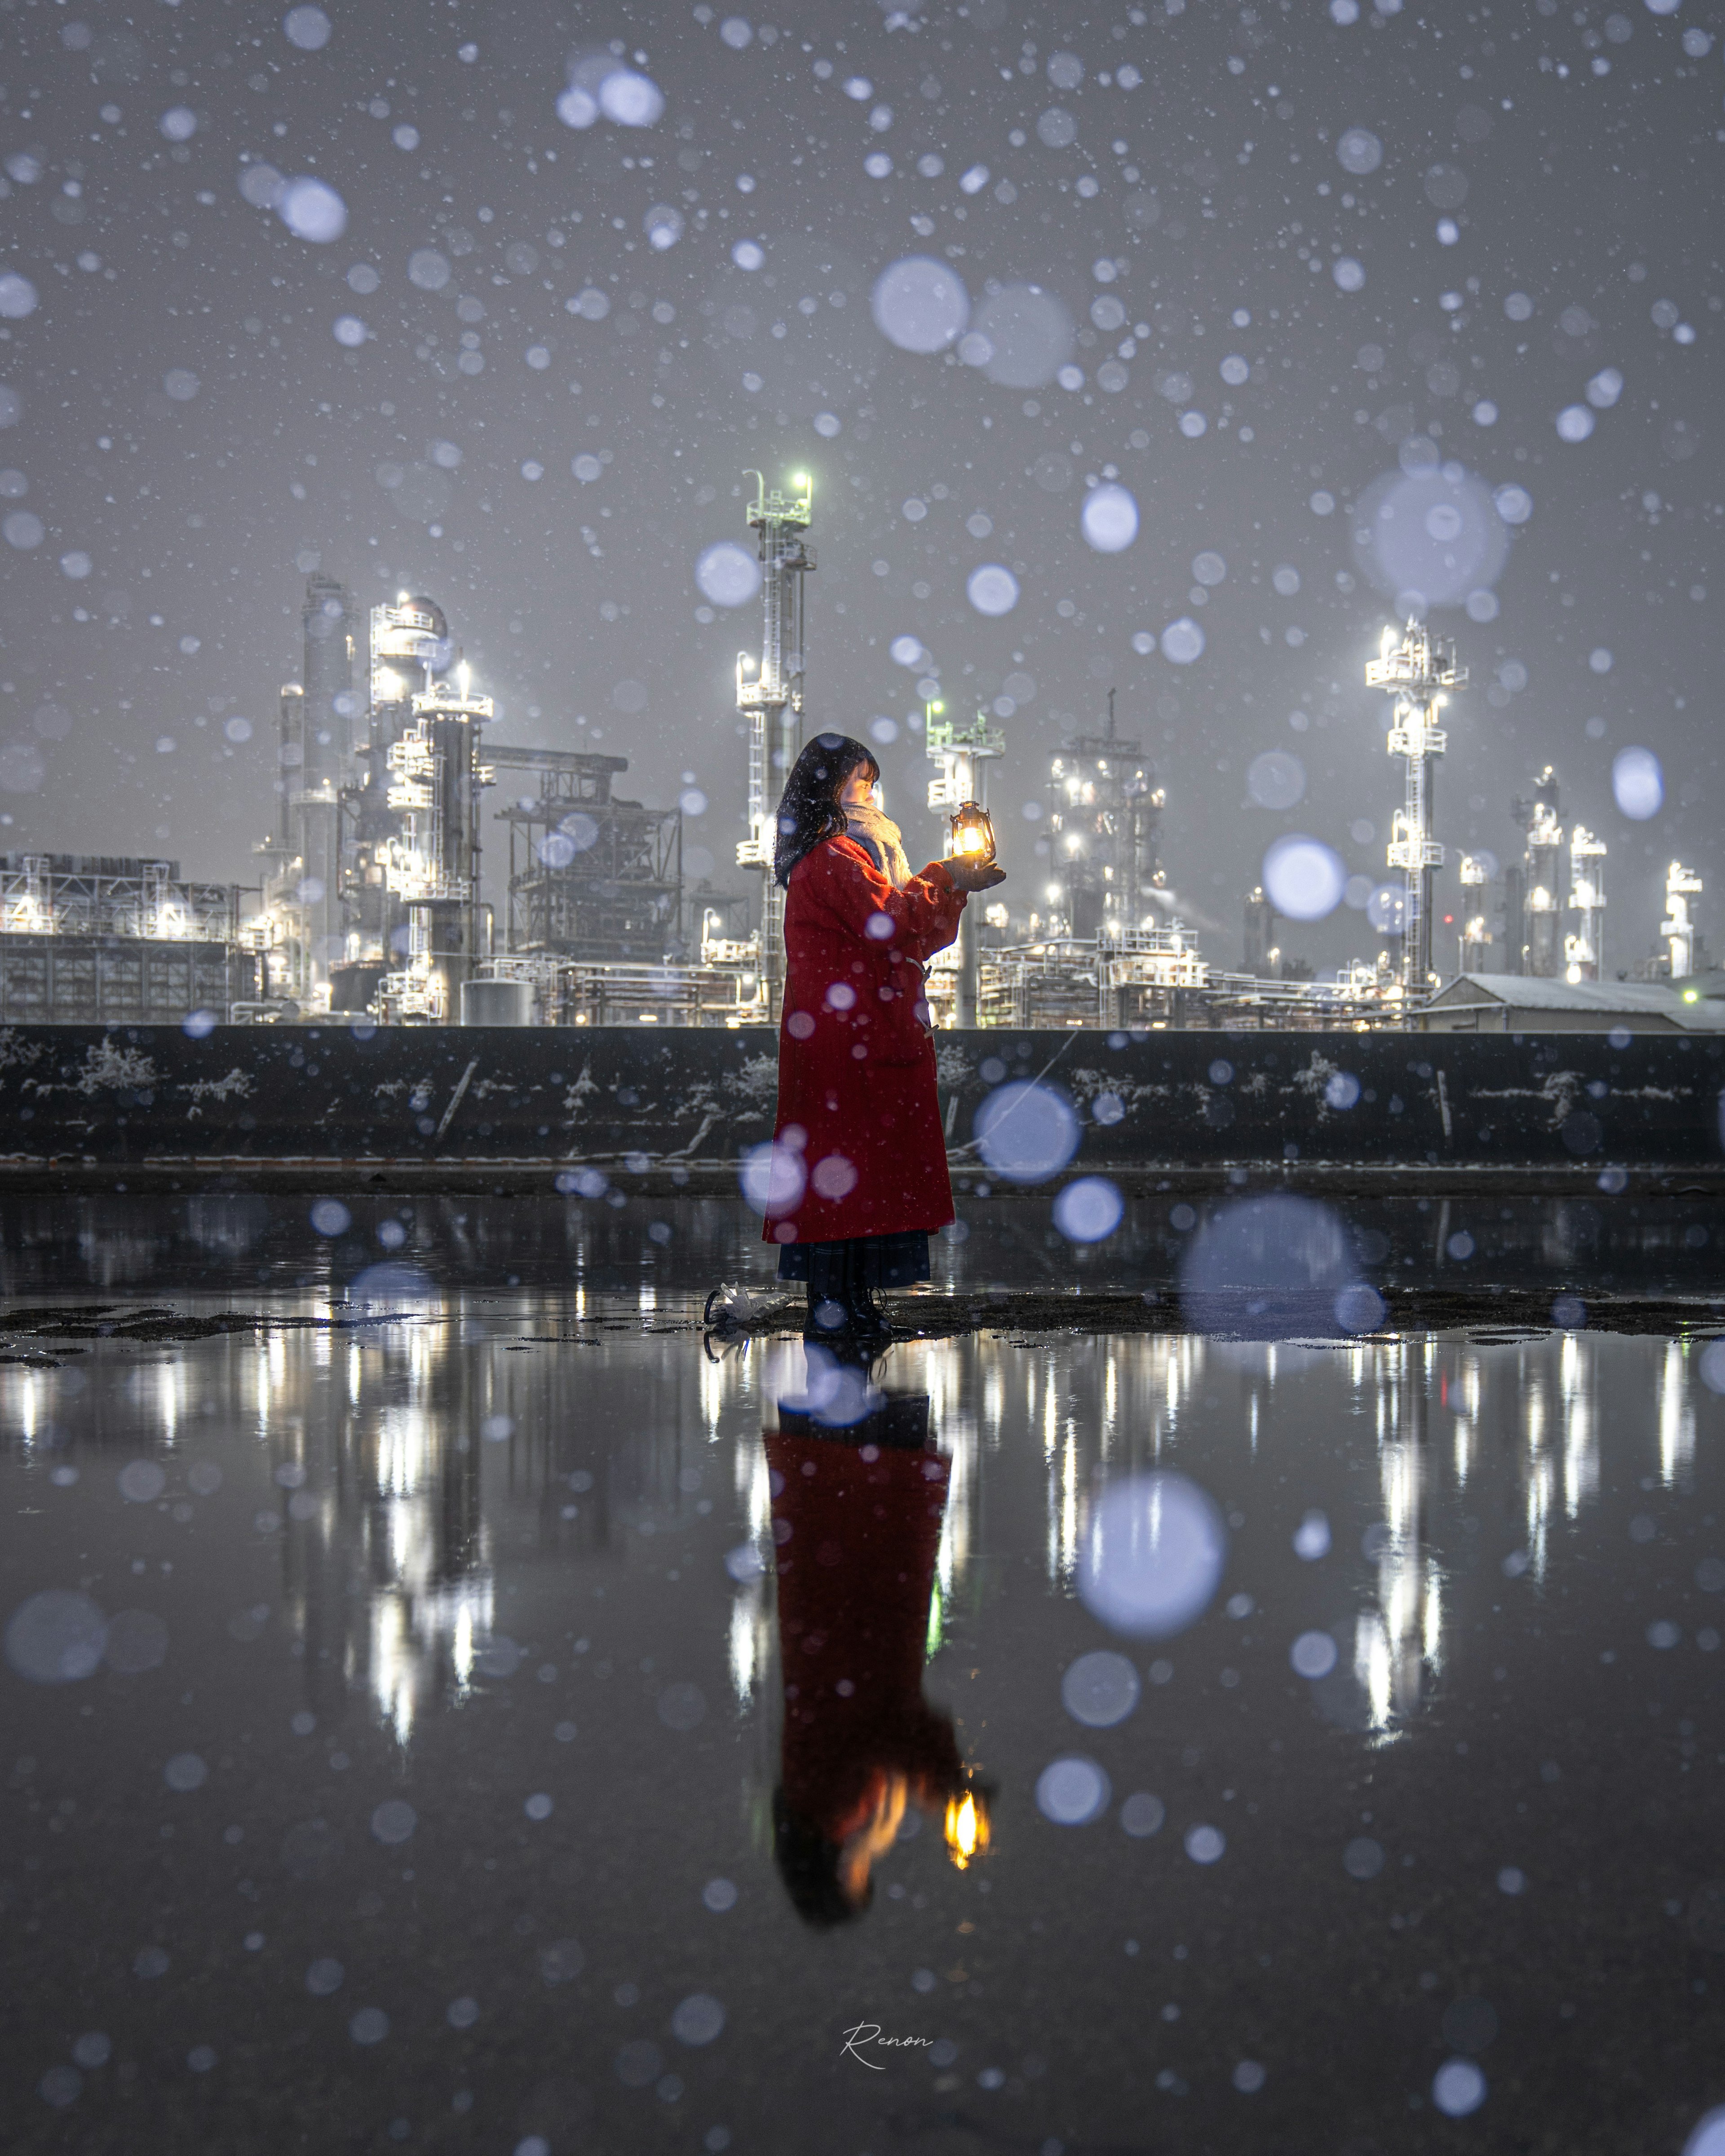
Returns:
point(973, 833)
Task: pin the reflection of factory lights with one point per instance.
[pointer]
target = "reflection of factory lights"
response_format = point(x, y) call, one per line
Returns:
point(967, 1830)
point(746, 1649)
point(1676, 1420)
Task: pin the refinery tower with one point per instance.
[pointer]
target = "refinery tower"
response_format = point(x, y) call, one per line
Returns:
point(1104, 819)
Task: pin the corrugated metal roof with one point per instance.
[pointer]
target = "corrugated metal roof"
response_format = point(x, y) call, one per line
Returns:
point(1625, 999)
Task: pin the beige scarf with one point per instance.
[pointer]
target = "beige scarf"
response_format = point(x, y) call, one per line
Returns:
point(880, 838)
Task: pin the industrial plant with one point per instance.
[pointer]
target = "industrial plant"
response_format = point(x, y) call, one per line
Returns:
point(369, 904)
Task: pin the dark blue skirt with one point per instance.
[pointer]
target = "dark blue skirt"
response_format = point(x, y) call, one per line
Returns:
point(860, 1262)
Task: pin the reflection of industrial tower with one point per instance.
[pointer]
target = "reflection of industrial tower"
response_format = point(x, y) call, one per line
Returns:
point(769, 696)
point(1417, 672)
point(1395, 1643)
point(964, 754)
point(1105, 820)
point(1540, 940)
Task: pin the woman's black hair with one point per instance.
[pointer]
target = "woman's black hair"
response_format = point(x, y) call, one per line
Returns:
point(809, 809)
point(809, 1865)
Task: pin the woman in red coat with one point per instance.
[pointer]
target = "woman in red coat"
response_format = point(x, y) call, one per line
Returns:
point(859, 1161)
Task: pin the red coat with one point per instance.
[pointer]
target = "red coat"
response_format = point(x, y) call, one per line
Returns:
point(856, 1084)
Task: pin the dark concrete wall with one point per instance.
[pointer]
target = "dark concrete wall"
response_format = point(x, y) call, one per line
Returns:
point(680, 1102)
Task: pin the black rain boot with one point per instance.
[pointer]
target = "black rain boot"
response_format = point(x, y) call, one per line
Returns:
point(866, 1317)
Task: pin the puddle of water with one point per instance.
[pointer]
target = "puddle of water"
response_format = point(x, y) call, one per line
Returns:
point(509, 1722)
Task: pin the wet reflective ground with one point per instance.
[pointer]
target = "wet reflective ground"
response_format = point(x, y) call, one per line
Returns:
point(398, 1750)
point(617, 1243)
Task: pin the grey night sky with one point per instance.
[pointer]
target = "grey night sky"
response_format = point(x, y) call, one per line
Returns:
point(1262, 190)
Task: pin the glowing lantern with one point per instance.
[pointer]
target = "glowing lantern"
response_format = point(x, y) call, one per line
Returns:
point(973, 833)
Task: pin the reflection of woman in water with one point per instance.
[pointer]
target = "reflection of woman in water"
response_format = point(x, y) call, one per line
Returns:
point(857, 1519)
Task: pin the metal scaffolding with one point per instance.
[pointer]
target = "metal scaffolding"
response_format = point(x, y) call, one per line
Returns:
point(590, 877)
point(96, 939)
point(1154, 978)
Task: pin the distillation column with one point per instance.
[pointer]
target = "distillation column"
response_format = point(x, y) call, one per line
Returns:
point(1417, 673)
point(437, 776)
point(314, 789)
point(964, 754)
point(1678, 928)
point(769, 697)
point(1542, 878)
point(1585, 951)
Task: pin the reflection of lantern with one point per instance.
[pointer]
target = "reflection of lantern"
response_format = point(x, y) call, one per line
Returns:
point(967, 1829)
point(973, 833)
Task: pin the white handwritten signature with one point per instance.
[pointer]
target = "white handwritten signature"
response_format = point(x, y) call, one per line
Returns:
point(869, 2032)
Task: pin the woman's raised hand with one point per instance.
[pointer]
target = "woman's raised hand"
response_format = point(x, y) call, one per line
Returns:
point(970, 873)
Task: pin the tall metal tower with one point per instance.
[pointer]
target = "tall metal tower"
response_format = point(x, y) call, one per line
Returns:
point(409, 645)
point(1476, 930)
point(1542, 952)
point(1678, 930)
point(769, 696)
point(1417, 672)
point(1583, 953)
point(326, 714)
point(964, 754)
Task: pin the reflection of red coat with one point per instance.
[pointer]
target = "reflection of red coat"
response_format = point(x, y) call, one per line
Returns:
point(856, 1571)
point(856, 1083)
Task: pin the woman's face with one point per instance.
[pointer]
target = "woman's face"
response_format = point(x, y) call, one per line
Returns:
point(858, 790)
